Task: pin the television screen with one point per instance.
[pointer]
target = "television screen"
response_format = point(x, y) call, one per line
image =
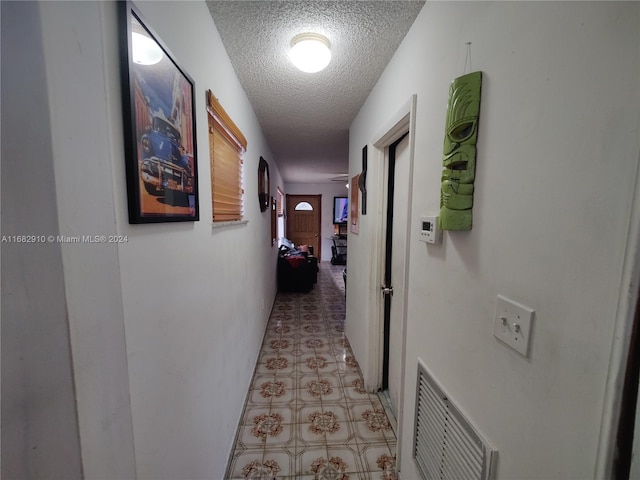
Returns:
point(340, 210)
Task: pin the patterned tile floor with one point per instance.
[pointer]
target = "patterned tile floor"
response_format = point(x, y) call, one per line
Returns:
point(307, 414)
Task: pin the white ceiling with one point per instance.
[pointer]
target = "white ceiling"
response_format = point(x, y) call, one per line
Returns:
point(305, 117)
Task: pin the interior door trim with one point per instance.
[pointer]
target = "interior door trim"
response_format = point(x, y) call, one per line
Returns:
point(391, 130)
point(628, 296)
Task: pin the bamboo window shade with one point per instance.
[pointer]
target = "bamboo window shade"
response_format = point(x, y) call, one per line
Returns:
point(227, 144)
point(280, 202)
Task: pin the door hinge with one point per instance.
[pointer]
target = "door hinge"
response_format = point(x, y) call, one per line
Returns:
point(386, 290)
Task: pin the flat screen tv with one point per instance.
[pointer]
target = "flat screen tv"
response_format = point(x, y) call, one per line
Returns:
point(340, 210)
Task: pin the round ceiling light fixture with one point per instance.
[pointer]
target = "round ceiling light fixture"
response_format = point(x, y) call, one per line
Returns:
point(310, 52)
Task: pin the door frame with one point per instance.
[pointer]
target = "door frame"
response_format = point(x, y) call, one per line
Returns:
point(395, 127)
point(621, 349)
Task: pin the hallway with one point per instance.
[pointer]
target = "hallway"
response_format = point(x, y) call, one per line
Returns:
point(307, 414)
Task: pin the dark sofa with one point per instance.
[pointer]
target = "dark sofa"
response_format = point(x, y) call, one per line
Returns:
point(297, 269)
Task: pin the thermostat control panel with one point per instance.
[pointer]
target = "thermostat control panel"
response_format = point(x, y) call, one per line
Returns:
point(429, 231)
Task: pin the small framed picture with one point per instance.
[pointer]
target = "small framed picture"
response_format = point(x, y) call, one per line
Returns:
point(353, 204)
point(263, 185)
point(159, 126)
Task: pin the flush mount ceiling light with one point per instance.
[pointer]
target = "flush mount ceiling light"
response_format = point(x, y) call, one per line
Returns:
point(310, 52)
point(145, 50)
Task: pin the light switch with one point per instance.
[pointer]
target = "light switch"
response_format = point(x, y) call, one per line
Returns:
point(512, 324)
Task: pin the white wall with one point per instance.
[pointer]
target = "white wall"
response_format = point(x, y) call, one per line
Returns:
point(557, 162)
point(38, 407)
point(165, 328)
point(328, 191)
point(83, 152)
point(192, 351)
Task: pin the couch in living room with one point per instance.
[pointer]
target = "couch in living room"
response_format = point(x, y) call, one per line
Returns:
point(297, 268)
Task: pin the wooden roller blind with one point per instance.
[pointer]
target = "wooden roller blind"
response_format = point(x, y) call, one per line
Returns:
point(227, 144)
point(280, 202)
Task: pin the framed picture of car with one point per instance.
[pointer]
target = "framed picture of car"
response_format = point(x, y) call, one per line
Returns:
point(159, 126)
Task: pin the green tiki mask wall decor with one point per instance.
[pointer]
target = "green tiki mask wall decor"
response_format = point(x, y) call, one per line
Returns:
point(459, 152)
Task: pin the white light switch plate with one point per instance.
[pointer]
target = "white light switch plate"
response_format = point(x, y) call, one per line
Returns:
point(512, 324)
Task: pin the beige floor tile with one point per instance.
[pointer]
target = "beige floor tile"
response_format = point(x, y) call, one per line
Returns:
point(282, 462)
point(347, 456)
point(249, 440)
point(288, 413)
point(377, 458)
point(366, 435)
point(271, 391)
point(244, 464)
point(285, 436)
point(253, 411)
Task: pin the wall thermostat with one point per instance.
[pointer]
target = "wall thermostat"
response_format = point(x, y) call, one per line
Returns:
point(429, 231)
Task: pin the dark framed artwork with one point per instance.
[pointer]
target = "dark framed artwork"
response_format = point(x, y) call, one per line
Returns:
point(159, 126)
point(362, 182)
point(263, 185)
point(353, 204)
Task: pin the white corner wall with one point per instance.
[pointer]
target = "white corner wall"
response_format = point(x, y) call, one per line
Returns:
point(558, 153)
point(328, 191)
point(165, 328)
point(38, 404)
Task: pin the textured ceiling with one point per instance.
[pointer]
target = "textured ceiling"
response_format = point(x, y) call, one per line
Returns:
point(306, 116)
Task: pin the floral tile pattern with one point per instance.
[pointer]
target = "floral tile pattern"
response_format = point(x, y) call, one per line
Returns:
point(377, 420)
point(308, 415)
point(258, 469)
point(272, 389)
point(264, 425)
point(318, 388)
point(323, 422)
point(331, 468)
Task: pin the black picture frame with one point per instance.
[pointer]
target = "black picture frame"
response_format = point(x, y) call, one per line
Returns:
point(159, 126)
point(264, 185)
point(362, 182)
